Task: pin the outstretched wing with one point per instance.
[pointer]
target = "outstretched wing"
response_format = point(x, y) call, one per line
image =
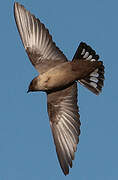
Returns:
point(42, 51)
point(65, 124)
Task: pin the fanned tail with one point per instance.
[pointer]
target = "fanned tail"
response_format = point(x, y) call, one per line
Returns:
point(95, 80)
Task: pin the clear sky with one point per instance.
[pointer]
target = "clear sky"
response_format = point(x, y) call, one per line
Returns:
point(27, 151)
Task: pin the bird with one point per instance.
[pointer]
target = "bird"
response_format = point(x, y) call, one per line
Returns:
point(58, 78)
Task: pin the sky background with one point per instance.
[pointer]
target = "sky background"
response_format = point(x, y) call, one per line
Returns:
point(27, 151)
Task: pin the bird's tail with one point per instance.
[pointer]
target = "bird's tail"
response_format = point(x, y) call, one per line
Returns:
point(95, 80)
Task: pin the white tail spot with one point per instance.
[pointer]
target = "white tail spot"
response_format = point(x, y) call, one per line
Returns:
point(93, 60)
point(89, 58)
point(96, 70)
point(93, 84)
point(94, 79)
point(86, 55)
point(95, 73)
point(83, 52)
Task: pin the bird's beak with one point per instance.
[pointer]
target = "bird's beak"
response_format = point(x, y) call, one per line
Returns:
point(28, 91)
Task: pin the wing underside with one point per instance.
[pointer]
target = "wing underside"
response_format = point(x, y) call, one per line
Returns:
point(65, 124)
point(42, 51)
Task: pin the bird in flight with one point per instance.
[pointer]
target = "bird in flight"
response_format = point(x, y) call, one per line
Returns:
point(58, 77)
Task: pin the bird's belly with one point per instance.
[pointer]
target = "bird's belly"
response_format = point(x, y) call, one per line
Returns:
point(58, 80)
point(57, 77)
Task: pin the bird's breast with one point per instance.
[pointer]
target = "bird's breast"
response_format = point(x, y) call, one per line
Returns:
point(57, 77)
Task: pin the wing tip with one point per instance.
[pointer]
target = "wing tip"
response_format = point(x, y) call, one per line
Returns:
point(16, 5)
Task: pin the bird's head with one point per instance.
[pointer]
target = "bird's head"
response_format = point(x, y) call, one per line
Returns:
point(34, 85)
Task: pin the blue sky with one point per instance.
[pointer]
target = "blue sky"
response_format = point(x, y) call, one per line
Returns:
point(26, 145)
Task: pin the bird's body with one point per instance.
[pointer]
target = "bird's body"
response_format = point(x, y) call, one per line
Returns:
point(58, 77)
point(65, 73)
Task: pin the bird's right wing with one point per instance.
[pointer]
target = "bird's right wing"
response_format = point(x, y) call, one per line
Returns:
point(65, 124)
point(42, 51)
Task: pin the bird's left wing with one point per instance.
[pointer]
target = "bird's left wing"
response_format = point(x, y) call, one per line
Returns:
point(65, 124)
point(42, 51)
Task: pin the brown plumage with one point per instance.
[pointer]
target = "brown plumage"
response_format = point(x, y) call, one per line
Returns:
point(58, 78)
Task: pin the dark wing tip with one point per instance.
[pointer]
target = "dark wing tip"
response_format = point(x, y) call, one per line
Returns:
point(16, 6)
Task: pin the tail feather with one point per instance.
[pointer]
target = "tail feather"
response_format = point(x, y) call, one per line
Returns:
point(95, 80)
point(85, 52)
